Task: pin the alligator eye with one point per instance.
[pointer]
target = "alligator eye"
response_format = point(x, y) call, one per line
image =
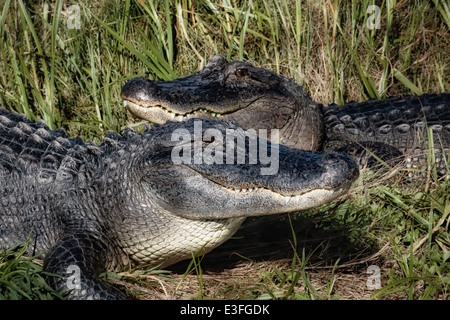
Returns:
point(241, 72)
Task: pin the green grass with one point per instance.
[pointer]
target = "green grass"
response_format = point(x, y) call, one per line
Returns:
point(21, 278)
point(72, 78)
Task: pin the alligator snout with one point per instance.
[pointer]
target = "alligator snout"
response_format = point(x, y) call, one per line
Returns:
point(140, 91)
point(303, 171)
point(337, 169)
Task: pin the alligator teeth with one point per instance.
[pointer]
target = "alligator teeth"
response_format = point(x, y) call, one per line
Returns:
point(287, 199)
point(239, 190)
point(182, 117)
point(242, 190)
point(294, 200)
point(171, 114)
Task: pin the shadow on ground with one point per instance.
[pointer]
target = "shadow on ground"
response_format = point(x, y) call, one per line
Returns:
point(322, 242)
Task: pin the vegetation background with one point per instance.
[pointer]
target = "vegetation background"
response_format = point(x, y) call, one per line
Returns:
point(66, 61)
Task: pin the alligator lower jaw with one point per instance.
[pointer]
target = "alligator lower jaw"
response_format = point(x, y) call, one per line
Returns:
point(252, 204)
point(305, 197)
point(246, 191)
point(160, 114)
point(289, 203)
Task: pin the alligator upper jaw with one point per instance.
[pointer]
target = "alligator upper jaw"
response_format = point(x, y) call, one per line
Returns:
point(220, 90)
point(242, 112)
point(178, 100)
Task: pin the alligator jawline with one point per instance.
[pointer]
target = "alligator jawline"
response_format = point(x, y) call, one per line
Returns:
point(296, 196)
point(176, 116)
point(170, 114)
point(289, 197)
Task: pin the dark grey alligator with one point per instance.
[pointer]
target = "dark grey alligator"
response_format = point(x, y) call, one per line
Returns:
point(257, 98)
point(146, 199)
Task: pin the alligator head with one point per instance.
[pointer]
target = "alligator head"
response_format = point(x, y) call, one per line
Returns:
point(206, 176)
point(217, 170)
point(254, 97)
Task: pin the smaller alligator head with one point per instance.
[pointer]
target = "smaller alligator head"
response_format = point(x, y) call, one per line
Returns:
point(254, 97)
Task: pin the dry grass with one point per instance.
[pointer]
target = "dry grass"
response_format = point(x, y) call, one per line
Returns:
point(252, 280)
point(247, 281)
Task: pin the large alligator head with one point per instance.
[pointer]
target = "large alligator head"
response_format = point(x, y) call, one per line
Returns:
point(254, 97)
point(209, 169)
point(206, 176)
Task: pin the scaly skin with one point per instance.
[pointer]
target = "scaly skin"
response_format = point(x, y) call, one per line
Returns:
point(125, 203)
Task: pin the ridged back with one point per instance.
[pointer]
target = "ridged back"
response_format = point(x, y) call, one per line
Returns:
point(26, 146)
point(401, 122)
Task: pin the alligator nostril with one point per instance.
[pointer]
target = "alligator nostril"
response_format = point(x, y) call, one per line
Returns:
point(138, 89)
point(339, 165)
point(331, 158)
point(338, 158)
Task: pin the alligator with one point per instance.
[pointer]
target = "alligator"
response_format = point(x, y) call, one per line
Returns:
point(394, 130)
point(146, 199)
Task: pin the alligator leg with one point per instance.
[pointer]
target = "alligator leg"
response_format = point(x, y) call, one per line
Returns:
point(77, 260)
